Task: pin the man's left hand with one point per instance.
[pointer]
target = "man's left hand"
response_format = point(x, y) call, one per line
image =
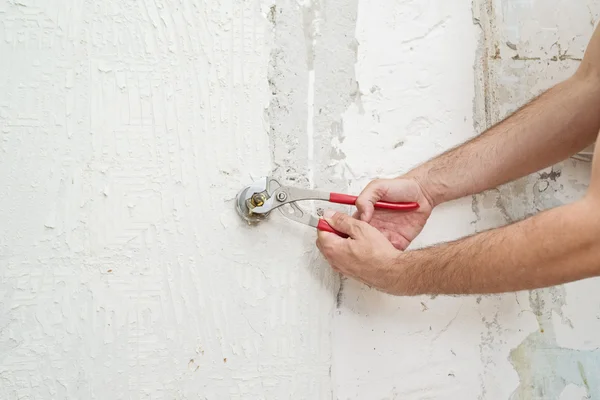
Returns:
point(366, 255)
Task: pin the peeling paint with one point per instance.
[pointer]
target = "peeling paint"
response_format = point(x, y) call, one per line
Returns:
point(545, 369)
point(538, 53)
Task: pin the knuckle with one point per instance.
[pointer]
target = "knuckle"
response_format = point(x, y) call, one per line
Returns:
point(328, 249)
point(354, 251)
point(374, 184)
point(358, 228)
point(353, 231)
point(342, 221)
point(338, 217)
point(375, 190)
point(379, 184)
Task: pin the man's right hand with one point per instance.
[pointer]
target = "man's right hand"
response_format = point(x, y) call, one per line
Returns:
point(399, 227)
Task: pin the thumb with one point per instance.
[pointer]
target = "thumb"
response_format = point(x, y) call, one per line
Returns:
point(370, 195)
point(343, 223)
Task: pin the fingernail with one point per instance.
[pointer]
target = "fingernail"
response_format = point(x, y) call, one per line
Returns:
point(328, 213)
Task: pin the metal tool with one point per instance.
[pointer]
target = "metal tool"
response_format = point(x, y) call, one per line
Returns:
point(255, 202)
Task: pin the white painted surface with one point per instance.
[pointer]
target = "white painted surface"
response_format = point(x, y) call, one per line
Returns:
point(537, 44)
point(413, 348)
point(519, 346)
point(126, 129)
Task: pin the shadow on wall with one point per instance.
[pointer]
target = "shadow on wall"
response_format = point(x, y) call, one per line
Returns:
point(586, 154)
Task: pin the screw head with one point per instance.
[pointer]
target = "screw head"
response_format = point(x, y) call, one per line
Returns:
point(281, 196)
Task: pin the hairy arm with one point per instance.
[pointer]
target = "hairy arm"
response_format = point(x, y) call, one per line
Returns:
point(561, 122)
point(555, 247)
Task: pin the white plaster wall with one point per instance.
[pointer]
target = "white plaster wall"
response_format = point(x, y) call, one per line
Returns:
point(412, 348)
point(126, 129)
point(536, 44)
point(535, 345)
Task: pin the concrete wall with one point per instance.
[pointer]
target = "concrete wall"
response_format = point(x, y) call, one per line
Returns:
point(529, 45)
point(126, 129)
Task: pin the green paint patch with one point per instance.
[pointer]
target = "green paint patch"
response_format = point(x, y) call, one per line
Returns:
point(546, 369)
point(582, 373)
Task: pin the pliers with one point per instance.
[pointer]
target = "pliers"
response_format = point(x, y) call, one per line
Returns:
point(256, 201)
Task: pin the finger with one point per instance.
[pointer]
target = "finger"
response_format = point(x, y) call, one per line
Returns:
point(318, 244)
point(327, 215)
point(326, 237)
point(328, 245)
point(328, 240)
point(330, 249)
point(327, 256)
point(345, 224)
point(369, 196)
point(321, 248)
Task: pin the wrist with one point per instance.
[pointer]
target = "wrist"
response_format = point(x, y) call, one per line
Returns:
point(402, 282)
point(426, 186)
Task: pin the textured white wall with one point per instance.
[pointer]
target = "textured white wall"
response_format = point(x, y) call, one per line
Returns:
point(531, 45)
point(415, 62)
point(126, 129)
point(539, 345)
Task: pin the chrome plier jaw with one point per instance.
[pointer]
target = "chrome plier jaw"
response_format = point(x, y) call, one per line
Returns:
point(267, 194)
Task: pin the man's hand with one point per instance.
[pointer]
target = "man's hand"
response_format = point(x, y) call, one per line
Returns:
point(557, 246)
point(400, 228)
point(366, 255)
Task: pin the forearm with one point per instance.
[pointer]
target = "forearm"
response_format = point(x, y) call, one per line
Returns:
point(554, 247)
point(556, 125)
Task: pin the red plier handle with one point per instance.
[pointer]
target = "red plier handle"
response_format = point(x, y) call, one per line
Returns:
point(324, 226)
point(280, 195)
point(384, 205)
point(347, 199)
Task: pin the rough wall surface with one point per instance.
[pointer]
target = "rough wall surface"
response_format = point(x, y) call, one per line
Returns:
point(126, 129)
point(530, 46)
point(417, 101)
point(539, 345)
